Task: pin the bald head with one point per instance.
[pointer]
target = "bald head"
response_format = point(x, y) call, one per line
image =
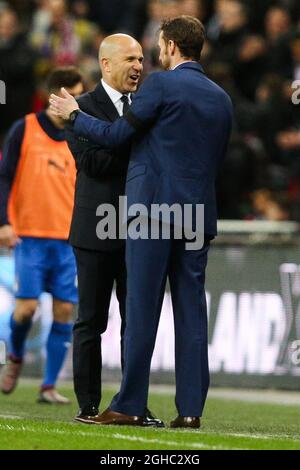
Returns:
point(121, 59)
point(114, 43)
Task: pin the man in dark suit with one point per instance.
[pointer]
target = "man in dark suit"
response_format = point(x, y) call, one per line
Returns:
point(101, 176)
point(180, 121)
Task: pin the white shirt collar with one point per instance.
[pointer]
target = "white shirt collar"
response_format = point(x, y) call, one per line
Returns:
point(115, 96)
point(184, 62)
point(112, 93)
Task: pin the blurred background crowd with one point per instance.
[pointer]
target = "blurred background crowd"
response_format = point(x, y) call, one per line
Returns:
point(252, 51)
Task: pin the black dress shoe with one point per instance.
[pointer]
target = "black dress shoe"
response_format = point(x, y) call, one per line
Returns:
point(192, 422)
point(150, 420)
point(87, 415)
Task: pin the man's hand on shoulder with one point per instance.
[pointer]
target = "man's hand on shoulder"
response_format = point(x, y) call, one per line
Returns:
point(8, 238)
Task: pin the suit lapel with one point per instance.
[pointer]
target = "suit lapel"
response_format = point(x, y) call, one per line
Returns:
point(107, 106)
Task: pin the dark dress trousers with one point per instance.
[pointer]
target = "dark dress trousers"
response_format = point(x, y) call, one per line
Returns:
point(101, 176)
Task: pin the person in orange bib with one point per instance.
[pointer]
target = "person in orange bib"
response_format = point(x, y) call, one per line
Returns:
point(37, 180)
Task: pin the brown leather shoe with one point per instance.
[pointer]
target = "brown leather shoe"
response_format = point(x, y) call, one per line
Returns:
point(186, 422)
point(10, 376)
point(113, 417)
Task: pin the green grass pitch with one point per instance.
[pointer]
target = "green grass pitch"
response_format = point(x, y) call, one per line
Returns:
point(227, 424)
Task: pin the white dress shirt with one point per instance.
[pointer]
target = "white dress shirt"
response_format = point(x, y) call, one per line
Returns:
point(115, 97)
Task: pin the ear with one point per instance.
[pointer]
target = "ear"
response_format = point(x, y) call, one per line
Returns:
point(105, 65)
point(172, 47)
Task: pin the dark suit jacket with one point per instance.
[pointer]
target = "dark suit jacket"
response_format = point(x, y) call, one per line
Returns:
point(181, 122)
point(101, 175)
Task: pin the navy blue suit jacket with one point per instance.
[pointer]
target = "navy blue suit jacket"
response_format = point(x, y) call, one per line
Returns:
point(180, 122)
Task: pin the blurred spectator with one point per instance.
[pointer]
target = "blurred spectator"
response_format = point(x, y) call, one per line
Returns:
point(195, 8)
point(17, 61)
point(251, 56)
point(276, 114)
point(60, 38)
point(228, 24)
point(157, 10)
point(277, 26)
point(289, 140)
point(80, 9)
point(24, 9)
point(277, 23)
point(252, 50)
point(268, 205)
point(240, 175)
point(135, 18)
point(110, 15)
point(41, 18)
point(294, 56)
point(244, 111)
point(257, 10)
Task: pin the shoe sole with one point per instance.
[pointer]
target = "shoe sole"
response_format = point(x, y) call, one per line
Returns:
point(84, 421)
point(154, 425)
point(121, 424)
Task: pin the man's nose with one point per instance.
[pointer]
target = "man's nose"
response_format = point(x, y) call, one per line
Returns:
point(138, 66)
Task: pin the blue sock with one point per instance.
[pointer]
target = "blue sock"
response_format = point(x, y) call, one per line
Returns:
point(18, 335)
point(58, 343)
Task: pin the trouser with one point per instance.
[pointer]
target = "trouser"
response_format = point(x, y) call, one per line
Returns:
point(149, 263)
point(97, 272)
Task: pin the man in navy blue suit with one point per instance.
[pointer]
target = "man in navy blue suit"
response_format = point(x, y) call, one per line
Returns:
point(179, 123)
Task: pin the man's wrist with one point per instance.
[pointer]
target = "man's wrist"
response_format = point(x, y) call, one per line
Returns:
point(73, 116)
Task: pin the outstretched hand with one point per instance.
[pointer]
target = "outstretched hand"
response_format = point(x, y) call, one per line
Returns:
point(63, 106)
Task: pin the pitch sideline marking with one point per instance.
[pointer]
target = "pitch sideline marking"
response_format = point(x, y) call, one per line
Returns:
point(149, 440)
point(4, 416)
point(196, 445)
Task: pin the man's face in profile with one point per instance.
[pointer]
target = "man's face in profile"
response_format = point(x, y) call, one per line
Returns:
point(126, 67)
point(164, 55)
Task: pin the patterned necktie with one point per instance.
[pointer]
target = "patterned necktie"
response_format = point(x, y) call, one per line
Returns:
point(125, 102)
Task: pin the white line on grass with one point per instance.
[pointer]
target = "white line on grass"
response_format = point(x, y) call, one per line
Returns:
point(8, 416)
point(194, 445)
point(266, 436)
point(277, 437)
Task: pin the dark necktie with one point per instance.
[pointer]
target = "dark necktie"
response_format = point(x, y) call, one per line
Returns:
point(125, 102)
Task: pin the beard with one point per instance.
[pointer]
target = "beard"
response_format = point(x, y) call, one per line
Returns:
point(165, 62)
